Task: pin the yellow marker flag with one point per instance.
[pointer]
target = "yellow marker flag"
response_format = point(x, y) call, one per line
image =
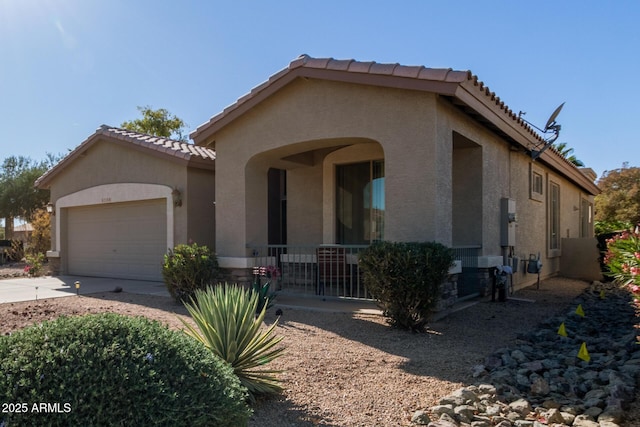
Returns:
point(583, 353)
point(579, 310)
point(602, 294)
point(562, 331)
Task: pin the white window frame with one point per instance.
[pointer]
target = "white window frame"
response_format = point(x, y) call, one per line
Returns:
point(536, 176)
point(554, 218)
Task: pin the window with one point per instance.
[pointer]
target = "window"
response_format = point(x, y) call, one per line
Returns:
point(536, 191)
point(537, 183)
point(360, 203)
point(554, 216)
point(586, 218)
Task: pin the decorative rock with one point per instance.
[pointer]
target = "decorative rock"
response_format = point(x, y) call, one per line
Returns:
point(584, 421)
point(444, 421)
point(464, 413)
point(595, 394)
point(518, 356)
point(540, 387)
point(571, 409)
point(420, 418)
point(493, 410)
point(535, 366)
point(568, 418)
point(611, 416)
point(478, 371)
point(553, 416)
point(487, 389)
point(521, 406)
point(467, 395)
point(480, 420)
point(492, 362)
point(542, 371)
point(442, 409)
point(514, 416)
point(551, 404)
point(593, 411)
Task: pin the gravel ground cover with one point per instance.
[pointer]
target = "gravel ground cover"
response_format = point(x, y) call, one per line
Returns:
point(348, 369)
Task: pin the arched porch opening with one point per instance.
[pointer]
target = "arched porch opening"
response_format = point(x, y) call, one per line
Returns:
point(311, 198)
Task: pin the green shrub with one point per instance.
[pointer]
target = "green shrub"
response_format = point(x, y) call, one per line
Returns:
point(34, 264)
point(188, 268)
point(405, 279)
point(604, 227)
point(623, 259)
point(228, 326)
point(109, 369)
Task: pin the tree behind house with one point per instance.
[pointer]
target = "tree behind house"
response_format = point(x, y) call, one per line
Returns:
point(567, 153)
point(158, 122)
point(619, 201)
point(18, 196)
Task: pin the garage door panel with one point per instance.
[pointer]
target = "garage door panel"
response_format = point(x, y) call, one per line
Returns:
point(123, 240)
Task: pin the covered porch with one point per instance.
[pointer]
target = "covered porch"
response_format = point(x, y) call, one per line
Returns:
point(334, 271)
point(309, 209)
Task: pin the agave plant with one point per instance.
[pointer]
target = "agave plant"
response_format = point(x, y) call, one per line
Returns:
point(228, 326)
point(265, 297)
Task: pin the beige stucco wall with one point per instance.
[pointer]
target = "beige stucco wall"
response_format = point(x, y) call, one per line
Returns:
point(200, 199)
point(304, 202)
point(314, 115)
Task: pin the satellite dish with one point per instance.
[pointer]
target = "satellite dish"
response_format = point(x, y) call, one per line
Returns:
point(551, 126)
point(552, 118)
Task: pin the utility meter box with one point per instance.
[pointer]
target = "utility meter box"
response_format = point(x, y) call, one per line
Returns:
point(508, 221)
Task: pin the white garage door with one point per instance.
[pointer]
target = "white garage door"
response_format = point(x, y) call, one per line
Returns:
point(121, 240)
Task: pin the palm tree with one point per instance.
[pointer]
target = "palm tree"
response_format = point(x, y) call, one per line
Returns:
point(566, 152)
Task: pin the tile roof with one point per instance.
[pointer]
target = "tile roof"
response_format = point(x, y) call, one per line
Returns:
point(191, 154)
point(464, 88)
point(165, 145)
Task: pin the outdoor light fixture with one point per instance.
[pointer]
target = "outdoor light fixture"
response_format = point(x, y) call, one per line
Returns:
point(51, 208)
point(177, 197)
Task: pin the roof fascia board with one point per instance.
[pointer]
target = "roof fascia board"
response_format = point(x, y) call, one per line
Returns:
point(498, 118)
point(573, 174)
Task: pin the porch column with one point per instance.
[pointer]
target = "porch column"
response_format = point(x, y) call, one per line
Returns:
point(417, 191)
point(241, 209)
point(230, 212)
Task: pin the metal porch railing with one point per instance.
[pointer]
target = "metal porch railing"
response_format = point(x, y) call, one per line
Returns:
point(468, 284)
point(327, 270)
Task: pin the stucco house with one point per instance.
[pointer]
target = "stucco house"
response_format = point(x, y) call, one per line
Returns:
point(324, 158)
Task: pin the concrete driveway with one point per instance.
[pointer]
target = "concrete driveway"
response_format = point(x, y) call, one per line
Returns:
point(29, 289)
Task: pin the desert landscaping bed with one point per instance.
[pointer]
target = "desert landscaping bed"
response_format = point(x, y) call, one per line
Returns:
point(346, 369)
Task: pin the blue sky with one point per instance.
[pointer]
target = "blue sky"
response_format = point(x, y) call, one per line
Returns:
point(68, 66)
